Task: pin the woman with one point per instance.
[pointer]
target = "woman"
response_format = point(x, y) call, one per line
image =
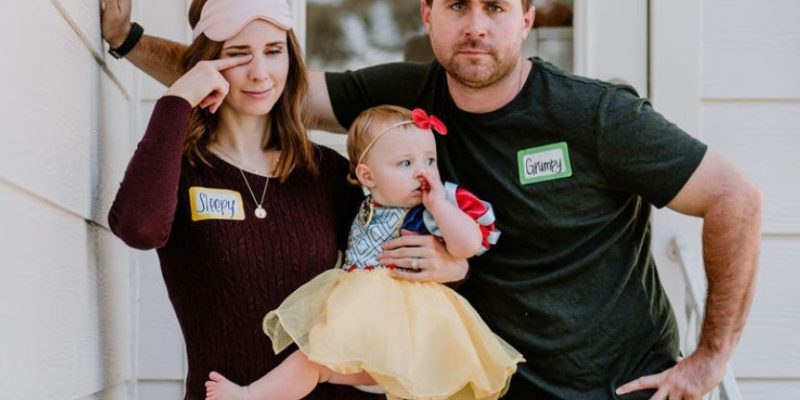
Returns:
point(242, 208)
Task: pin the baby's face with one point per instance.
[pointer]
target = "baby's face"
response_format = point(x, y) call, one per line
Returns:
point(396, 159)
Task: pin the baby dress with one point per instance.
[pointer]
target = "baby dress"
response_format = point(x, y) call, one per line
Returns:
point(417, 340)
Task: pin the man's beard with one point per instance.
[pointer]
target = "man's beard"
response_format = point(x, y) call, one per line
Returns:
point(495, 70)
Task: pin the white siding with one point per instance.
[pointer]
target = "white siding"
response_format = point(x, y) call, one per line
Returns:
point(728, 73)
point(769, 389)
point(51, 111)
point(66, 294)
point(751, 49)
point(762, 138)
point(751, 113)
point(769, 348)
point(611, 41)
point(50, 301)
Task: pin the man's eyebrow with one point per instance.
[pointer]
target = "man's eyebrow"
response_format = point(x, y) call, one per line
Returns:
point(496, 2)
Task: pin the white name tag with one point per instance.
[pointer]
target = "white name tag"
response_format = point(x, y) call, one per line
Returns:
point(209, 203)
point(544, 163)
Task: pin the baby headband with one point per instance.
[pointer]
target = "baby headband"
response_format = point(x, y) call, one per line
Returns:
point(221, 20)
point(418, 118)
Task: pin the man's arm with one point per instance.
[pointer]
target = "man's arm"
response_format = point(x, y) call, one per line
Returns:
point(157, 57)
point(319, 107)
point(731, 210)
point(160, 58)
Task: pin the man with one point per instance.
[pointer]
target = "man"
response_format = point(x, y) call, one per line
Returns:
point(572, 166)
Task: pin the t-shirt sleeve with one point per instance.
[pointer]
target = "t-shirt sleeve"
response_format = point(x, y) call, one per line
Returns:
point(352, 92)
point(641, 151)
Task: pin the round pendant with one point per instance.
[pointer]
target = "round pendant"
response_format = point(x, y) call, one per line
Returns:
point(261, 213)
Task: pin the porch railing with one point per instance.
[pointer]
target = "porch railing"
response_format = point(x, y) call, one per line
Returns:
point(691, 262)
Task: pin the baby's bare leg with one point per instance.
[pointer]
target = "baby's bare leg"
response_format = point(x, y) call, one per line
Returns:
point(293, 379)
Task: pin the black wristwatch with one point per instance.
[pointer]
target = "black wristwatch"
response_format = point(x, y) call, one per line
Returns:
point(133, 37)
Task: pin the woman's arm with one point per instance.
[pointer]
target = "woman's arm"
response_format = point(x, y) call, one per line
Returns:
point(144, 208)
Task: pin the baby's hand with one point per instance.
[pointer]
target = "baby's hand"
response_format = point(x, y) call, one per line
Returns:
point(432, 190)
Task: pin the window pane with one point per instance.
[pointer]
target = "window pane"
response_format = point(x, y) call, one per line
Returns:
point(352, 34)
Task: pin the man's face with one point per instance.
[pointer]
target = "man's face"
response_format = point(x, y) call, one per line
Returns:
point(477, 41)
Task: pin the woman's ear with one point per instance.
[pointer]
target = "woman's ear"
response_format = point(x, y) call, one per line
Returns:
point(364, 175)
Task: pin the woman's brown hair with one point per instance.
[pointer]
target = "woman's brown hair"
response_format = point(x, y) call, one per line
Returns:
point(286, 127)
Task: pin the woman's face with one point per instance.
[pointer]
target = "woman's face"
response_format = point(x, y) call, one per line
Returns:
point(255, 87)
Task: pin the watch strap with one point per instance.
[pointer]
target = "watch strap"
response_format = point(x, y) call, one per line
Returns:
point(134, 35)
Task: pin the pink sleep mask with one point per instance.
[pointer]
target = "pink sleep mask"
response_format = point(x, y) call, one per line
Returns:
point(221, 20)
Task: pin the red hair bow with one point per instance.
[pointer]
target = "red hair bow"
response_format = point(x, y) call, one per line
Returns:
point(425, 121)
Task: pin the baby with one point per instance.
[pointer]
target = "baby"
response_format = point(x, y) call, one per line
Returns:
point(357, 324)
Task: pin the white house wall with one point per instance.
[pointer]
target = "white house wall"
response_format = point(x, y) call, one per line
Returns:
point(66, 295)
point(727, 72)
point(751, 114)
point(769, 348)
point(751, 49)
point(762, 138)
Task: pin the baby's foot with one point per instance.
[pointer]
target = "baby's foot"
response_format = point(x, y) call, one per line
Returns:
point(220, 388)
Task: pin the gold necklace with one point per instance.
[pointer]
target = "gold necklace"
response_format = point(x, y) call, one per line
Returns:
point(366, 212)
point(260, 212)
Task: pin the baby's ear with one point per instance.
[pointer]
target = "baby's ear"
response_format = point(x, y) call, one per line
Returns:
point(364, 175)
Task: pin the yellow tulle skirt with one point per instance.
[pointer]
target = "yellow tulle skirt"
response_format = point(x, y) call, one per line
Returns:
point(416, 340)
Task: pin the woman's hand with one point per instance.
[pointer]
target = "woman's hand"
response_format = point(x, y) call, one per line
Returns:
point(204, 85)
point(422, 258)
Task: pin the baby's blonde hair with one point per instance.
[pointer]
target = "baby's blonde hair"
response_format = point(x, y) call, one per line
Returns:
point(364, 128)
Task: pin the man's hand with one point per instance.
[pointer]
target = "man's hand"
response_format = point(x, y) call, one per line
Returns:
point(433, 262)
point(115, 21)
point(690, 379)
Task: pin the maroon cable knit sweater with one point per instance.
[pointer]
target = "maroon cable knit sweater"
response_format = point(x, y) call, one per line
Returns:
point(223, 276)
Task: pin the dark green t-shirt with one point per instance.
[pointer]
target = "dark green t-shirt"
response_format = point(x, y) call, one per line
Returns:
point(572, 167)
